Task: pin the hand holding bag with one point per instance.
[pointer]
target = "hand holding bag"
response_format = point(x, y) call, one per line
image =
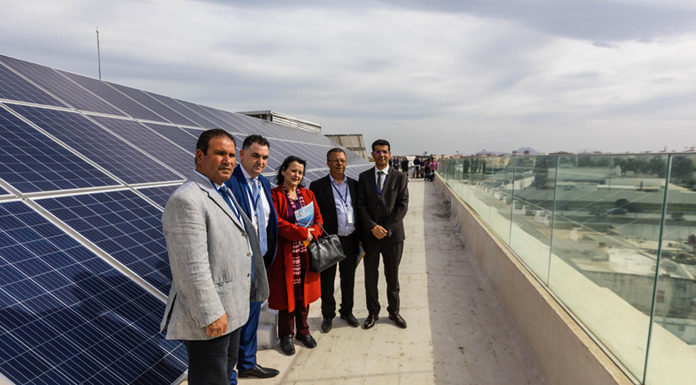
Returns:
point(325, 252)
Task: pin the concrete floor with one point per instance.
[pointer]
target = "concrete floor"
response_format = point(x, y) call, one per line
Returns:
point(458, 330)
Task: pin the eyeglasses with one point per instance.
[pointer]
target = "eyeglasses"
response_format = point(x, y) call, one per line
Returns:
point(381, 152)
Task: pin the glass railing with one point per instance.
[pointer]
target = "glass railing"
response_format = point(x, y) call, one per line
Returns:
point(613, 237)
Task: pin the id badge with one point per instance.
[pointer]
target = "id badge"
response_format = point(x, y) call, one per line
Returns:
point(349, 214)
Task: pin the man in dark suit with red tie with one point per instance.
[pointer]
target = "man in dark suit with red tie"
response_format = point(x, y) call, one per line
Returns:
point(382, 206)
point(337, 197)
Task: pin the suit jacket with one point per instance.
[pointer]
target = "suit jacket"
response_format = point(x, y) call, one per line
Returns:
point(210, 259)
point(323, 192)
point(237, 184)
point(280, 275)
point(387, 210)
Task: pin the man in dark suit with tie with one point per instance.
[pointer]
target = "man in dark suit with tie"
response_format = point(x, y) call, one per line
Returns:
point(253, 192)
point(382, 206)
point(337, 197)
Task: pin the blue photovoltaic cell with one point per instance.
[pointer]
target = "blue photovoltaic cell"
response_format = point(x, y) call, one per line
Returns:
point(178, 135)
point(3, 192)
point(147, 101)
point(13, 87)
point(30, 161)
point(159, 194)
point(68, 317)
point(94, 142)
point(60, 86)
point(122, 224)
point(186, 112)
point(181, 160)
point(219, 123)
point(114, 97)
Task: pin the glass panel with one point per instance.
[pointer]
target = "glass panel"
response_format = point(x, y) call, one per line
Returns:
point(606, 230)
point(672, 357)
point(530, 233)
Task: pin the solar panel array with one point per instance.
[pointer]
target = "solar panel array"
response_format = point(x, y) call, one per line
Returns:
point(86, 167)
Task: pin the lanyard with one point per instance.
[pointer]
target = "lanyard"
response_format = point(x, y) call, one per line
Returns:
point(258, 196)
point(344, 199)
point(374, 184)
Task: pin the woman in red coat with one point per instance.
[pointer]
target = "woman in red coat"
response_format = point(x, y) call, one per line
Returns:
point(292, 285)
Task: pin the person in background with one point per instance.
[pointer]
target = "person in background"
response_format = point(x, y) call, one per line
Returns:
point(404, 165)
point(337, 197)
point(382, 206)
point(293, 286)
point(253, 192)
point(210, 254)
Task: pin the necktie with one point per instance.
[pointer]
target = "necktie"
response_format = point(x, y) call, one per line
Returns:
point(224, 191)
point(380, 180)
point(260, 215)
point(225, 195)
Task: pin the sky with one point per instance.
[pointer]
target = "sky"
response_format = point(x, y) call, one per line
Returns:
point(435, 76)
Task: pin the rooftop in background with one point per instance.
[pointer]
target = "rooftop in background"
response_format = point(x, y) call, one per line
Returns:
point(285, 120)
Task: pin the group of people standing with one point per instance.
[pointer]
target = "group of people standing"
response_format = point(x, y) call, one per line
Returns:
point(235, 242)
point(423, 167)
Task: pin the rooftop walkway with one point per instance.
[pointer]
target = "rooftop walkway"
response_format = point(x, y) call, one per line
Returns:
point(458, 330)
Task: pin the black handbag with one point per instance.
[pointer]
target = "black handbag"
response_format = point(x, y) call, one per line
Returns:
point(324, 252)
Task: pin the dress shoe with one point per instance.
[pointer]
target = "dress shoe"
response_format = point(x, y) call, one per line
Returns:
point(307, 340)
point(350, 318)
point(258, 371)
point(398, 320)
point(326, 325)
point(370, 321)
point(287, 346)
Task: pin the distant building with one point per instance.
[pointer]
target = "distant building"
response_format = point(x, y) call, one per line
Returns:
point(285, 120)
point(353, 142)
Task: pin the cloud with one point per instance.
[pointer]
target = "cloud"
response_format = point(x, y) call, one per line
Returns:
point(441, 76)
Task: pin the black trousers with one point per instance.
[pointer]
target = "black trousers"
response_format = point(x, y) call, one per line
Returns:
point(391, 255)
point(346, 270)
point(211, 362)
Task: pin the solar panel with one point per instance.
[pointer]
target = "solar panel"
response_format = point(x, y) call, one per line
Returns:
point(60, 86)
point(178, 135)
point(109, 152)
point(13, 87)
point(159, 194)
point(149, 141)
point(30, 161)
point(87, 310)
point(147, 101)
point(118, 99)
point(122, 224)
point(68, 317)
point(180, 109)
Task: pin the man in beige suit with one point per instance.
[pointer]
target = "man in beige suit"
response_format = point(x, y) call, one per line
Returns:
point(211, 257)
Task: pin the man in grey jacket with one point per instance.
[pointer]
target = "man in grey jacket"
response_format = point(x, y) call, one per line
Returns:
point(211, 256)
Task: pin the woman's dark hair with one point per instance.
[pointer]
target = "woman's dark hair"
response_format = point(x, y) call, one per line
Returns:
point(280, 179)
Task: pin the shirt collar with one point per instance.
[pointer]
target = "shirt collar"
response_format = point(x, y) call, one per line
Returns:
point(246, 174)
point(386, 170)
point(217, 186)
point(335, 181)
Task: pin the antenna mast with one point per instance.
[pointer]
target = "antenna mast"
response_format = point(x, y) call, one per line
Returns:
point(98, 54)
